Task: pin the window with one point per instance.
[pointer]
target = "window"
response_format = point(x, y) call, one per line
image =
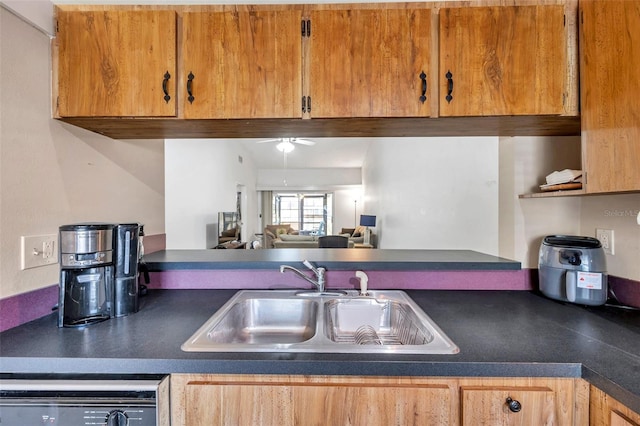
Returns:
point(309, 213)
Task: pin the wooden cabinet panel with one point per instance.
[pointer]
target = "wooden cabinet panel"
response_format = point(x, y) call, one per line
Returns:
point(507, 60)
point(244, 64)
point(290, 400)
point(367, 63)
point(113, 63)
point(606, 411)
point(618, 419)
point(610, 59)
point(543, 401)
point(481, 406)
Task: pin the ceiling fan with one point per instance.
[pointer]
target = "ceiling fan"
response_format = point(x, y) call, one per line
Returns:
point(287, 144)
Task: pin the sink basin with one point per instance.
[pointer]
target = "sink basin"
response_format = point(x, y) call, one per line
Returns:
point(260, 321)
point(387, 321)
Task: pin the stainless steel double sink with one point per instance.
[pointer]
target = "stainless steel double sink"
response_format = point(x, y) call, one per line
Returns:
point(294, 321)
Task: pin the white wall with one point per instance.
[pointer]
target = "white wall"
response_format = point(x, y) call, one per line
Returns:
point(52, 173)
point(524, 163)
point(307, 179)
point(38, 13)
point(433, 193)
point(617, 212)
point(346, 212)
point(201, 177)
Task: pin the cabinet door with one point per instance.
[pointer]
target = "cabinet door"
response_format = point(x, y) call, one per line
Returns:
point(502, 60)
point(116, 63)
point(618, 419)
point(607, 411)
point(241, 64)
point(610, 89)
point(368, 63)
point(486, 406)
point(286, 400)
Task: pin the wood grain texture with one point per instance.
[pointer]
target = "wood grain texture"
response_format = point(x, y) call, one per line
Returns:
point(247, 64)
point(367, 63)
point(301, 400)
point(199, 399)
point(545, 401)
point(607, 411)
point(504, 60)
point(112, 63)
point(164, 402)
point(610, 52)
point(331, 127)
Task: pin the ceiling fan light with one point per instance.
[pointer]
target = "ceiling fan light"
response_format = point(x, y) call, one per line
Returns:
point(285, 146)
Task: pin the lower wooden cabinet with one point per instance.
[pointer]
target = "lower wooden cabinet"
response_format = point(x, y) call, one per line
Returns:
point(606, 411)
point(523, 402)
point(355, 400)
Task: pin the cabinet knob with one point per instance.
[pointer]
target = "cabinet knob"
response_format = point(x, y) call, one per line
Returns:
point(514, 405)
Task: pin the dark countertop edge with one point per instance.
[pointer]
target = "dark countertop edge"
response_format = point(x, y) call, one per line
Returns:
point(611, 388)
point(337, 259)
point(127, 366)
point(346, 266)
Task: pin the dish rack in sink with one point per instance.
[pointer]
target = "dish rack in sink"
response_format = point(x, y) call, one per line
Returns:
point(367, 321)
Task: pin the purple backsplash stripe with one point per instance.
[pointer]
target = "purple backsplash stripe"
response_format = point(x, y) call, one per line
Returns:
point(409, 280)
point(26, 307)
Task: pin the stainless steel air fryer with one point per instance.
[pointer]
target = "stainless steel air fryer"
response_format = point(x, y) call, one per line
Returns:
point(573, 269)
point(127, 256)
point(86, 274)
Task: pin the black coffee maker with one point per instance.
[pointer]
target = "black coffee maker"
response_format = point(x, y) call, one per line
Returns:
point(99, 268)
point(86, 274)
point(127, 257)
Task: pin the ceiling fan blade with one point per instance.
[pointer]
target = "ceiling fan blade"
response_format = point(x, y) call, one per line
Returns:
point(303, 141)
point(270, 140)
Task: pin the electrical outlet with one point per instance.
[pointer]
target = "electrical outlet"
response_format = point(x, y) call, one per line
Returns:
point(38, 250)
point(605, 236)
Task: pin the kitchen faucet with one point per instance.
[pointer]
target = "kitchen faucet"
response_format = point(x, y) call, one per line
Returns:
point(318, 272)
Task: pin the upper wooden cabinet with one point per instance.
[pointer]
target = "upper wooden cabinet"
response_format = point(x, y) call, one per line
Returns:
point(507, 60)
point(610, 89)
point(241, 64)
point(370, 63)
point(316, 70)
point(116, 64)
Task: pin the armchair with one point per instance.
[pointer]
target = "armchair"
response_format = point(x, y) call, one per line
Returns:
point(271, 232)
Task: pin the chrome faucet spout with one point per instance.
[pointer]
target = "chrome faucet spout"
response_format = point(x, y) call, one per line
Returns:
point(318, 272)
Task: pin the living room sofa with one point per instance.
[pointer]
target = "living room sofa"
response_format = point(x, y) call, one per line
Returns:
point(299, 241)
point(284, 236)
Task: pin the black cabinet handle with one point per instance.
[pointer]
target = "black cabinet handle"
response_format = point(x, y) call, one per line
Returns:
point(514, 405)
point(423, 77)
point(165, 81)
point(190, 78)
point(449, 86)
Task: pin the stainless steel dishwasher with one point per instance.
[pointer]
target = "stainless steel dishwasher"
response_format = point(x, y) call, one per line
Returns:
point(82, 402)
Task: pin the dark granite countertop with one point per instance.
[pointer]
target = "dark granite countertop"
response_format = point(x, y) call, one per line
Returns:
point(336, 259)
point(500, 333)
